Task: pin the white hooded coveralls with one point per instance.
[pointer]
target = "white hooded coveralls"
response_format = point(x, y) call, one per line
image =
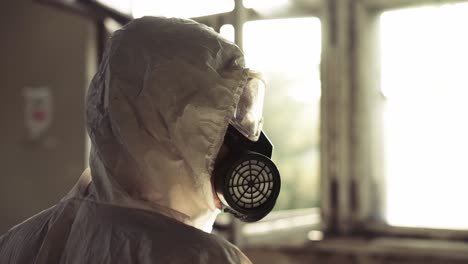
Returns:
point(157, 112)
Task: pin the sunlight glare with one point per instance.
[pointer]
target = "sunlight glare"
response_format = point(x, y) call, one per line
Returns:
point(287, 52)
point(228, 32)
point(180, 8)
point(425, 83)
point(122, 6)
point(297, 59)
point(265, 4)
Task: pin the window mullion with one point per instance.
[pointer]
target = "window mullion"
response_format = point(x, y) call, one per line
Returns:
point(336, 113)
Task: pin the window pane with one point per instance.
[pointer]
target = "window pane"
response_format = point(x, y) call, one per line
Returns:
point(228, 32)
point(122, 6)
point(287, 51)
point(172, 8)
point(181, 8)
point(265, 4)
point(425, 86)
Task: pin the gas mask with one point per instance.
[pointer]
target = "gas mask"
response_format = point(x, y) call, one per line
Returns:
point(247, 181)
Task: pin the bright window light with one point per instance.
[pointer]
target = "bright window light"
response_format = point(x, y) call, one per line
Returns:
point(181, 8)
point(122, 6)
point(228, 32)
point(288, 51)
point(172, 8)
point(264, 4)
point(425, 84)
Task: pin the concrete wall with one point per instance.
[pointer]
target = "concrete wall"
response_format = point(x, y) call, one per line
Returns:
point(41, 46)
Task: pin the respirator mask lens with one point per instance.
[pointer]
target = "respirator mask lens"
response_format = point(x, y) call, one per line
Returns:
point(248, 117)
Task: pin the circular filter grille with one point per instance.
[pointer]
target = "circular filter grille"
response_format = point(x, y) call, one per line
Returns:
point(251, 184)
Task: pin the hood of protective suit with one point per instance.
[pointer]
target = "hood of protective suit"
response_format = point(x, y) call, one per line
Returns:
point(157, 113)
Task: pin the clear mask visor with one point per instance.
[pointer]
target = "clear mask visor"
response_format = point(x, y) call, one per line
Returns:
point(248, 117)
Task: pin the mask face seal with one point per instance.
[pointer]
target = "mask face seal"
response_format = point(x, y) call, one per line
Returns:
point(247, 181)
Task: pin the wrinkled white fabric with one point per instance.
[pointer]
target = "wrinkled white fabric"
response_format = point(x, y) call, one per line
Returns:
point(157, 112)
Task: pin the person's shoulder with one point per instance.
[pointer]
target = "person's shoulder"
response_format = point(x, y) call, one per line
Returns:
point(24, 239)
point(171, 239)
point(36, 221)
point(233, 251)
point(162, 237)
point(224, 249)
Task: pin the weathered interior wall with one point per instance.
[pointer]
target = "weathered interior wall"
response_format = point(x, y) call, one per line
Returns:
point(41, 46)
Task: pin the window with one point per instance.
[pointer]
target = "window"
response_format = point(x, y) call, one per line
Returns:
point(228, 32)
point(177, 8)
point(424, 83)
point(287, 52)
point(122, 6)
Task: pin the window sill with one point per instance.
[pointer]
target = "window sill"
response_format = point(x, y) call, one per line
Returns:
point(393, 246)
point(291, 228)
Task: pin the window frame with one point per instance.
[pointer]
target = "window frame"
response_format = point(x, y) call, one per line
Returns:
point(366, 83)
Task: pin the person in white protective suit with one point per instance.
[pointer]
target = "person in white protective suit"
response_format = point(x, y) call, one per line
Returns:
point(158, 110)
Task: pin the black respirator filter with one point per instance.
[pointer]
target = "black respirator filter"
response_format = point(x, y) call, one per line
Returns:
point(247, 181)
